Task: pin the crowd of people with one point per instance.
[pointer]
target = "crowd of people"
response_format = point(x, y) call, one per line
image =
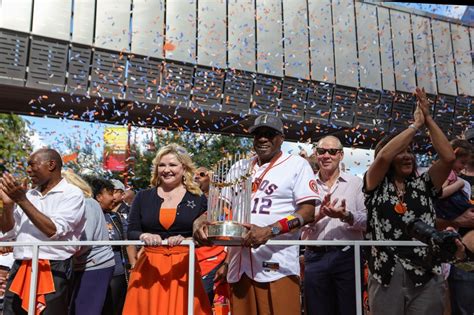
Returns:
point(292, 198)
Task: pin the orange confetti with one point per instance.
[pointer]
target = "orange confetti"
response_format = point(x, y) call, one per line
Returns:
point(169, 46)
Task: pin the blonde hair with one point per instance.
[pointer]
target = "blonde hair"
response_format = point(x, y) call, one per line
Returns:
point(76, 180)
point(183, 157)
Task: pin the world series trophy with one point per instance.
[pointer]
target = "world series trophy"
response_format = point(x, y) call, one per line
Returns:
point(230, 193)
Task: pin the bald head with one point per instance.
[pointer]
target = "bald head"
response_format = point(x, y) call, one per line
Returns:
point(329, 152)
point(330, 139)
point(44, 169)
point(49, 155)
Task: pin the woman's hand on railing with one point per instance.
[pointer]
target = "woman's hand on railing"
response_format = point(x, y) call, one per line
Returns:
point(175, 240)
point(151, 239)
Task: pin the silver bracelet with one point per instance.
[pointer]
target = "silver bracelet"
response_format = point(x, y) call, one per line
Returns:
point(414, 127)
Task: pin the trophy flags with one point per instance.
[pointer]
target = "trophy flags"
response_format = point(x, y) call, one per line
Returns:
point(115, 148)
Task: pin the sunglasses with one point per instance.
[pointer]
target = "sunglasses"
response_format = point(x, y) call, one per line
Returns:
point(202, 174)
point(269, 133)
point(322, 151)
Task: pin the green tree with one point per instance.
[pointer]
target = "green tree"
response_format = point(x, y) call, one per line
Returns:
point(205, 150)
point(15, 145)
point(140, 163)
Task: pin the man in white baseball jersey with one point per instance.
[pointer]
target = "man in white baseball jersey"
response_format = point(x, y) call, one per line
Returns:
point(265, 279)
point(329, 274)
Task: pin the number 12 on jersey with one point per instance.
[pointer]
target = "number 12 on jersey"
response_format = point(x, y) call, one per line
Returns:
point(262, 204)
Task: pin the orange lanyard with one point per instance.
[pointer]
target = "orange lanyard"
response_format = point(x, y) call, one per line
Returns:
point(256, 183)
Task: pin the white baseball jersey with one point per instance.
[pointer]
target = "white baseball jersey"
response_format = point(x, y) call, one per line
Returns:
point(290, 181)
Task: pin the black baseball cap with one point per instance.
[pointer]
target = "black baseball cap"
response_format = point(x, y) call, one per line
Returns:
point(268, 120)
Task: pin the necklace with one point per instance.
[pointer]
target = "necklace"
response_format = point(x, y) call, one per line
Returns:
point(400, 207)
point(256, 183)
point(169, 195)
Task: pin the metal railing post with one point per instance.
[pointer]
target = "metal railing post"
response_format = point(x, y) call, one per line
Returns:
point(191, 279)
point(33, 280)
point(358, 279)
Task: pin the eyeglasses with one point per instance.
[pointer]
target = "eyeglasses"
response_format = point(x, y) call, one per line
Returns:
point(322, 151)
point(266, 133)
point(201, 174)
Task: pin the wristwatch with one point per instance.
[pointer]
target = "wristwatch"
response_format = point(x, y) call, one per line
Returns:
point(275, 230)
point(347, 218)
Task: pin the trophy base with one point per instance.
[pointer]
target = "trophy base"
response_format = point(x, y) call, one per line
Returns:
point(226, 233)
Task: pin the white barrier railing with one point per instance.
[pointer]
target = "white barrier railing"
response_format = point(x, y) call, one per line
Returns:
point(357, 244)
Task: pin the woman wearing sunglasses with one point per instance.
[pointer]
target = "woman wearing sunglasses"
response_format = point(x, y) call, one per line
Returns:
point(401, 280)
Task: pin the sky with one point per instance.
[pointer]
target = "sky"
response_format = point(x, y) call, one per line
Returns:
point(454, 11)
point(56, 132)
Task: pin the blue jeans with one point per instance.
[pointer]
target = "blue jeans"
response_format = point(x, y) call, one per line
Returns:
point(90, 291)
point(461, 286)
point(208, 283)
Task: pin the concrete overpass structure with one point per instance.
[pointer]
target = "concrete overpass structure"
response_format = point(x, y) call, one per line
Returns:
point(325, 66)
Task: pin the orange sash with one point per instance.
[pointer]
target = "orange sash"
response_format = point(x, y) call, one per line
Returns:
point(21, 284)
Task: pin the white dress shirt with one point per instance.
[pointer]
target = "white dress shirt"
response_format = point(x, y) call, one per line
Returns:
point(64, 205)
point(348, 187)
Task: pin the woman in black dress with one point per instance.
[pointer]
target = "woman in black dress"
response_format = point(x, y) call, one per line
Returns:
point(159, 281)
